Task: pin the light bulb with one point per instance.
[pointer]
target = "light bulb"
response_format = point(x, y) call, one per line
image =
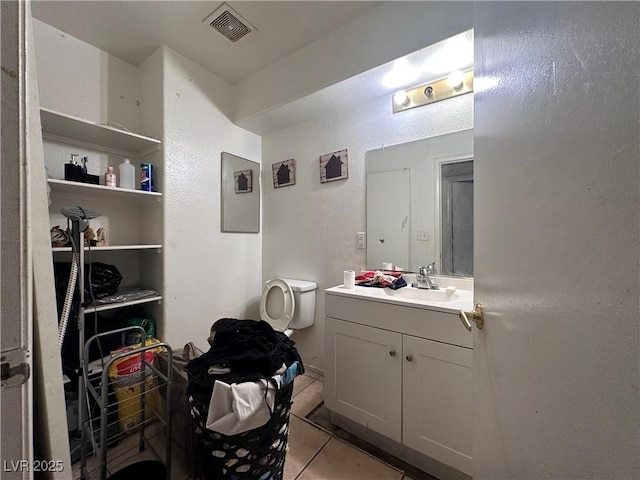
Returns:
point(401, 97)
point(455, 80)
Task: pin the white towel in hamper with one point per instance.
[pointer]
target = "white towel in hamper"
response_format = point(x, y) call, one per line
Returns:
point(240, 407)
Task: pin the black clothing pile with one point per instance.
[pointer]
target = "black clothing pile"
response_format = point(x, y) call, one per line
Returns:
point(250, 349)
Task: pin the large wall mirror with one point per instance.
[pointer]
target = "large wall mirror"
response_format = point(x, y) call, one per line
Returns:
point(420, 204)
point(240, 194)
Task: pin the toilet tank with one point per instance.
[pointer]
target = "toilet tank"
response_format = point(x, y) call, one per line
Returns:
point(304, 293)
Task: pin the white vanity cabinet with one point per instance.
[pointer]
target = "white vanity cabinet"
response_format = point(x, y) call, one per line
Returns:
point(403, 372)
point(437, 400)
point(365, 383)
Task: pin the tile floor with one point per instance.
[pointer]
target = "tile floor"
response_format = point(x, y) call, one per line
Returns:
point(314, 453)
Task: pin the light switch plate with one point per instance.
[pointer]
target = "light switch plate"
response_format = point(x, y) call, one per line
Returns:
point(361, 240)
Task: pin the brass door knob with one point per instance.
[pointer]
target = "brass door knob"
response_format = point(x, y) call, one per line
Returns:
point(477, 316)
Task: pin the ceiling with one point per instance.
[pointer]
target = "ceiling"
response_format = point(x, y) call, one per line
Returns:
point(132, 30)
point(416, 68)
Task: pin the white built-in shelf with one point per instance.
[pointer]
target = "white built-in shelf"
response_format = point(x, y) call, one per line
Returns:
point(65, 128)
point(111, 306)
point(111, 248)
point(75, 188)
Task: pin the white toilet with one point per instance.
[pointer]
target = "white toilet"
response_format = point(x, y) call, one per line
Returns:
point(288, 304)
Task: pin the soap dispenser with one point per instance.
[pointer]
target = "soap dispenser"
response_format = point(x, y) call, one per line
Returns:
point(73, 171)
point(127, 175)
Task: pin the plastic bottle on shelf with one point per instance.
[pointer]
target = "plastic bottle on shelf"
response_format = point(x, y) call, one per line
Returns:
point(110, 178)
point(127, 175)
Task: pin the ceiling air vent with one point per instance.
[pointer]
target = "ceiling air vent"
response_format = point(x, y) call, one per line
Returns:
point(226, 21)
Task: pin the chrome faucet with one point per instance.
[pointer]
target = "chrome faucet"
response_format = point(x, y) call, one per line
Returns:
point(422, 278)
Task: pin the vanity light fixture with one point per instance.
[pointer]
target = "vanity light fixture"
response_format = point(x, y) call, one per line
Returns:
point(458, 83)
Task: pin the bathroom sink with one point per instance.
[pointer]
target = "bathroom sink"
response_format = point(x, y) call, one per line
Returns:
point(411, 293)
point(449, 299)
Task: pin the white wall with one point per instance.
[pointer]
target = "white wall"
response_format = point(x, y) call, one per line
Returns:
point(79, 79)
point(310, 228)
point(208, 274)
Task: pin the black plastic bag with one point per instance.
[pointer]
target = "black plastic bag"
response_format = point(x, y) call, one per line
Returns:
point(103, 280)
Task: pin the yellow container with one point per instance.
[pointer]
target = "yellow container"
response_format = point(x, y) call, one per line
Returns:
point(126, 377)
point(129, 408)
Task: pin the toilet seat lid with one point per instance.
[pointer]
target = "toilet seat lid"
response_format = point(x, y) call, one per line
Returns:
point(289, 304)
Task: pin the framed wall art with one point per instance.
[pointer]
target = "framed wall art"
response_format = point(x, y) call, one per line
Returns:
point(334, 166)
point(243, 181)
point(284, 173)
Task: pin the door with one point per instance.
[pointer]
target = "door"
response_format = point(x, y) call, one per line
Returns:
point(437, 401)
point(31, 367)
point(363, 378)
point(556, 170)
point(16, 388)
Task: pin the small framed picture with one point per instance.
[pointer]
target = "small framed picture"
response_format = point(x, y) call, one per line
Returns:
point(334, 166)
point(284, 173)
point(243, 180)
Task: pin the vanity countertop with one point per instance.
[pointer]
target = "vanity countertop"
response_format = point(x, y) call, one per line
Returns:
point(459, 300)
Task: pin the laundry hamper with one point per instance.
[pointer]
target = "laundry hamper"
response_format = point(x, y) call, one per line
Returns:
point(257, 454)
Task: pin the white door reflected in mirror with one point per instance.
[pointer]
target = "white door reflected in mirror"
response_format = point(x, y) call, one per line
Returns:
point(388, 201)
